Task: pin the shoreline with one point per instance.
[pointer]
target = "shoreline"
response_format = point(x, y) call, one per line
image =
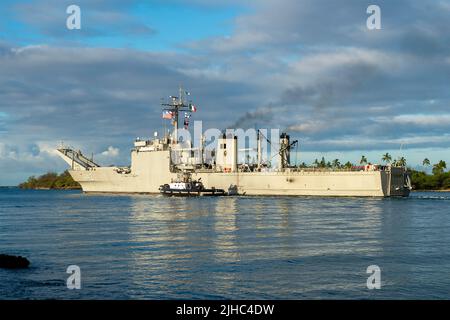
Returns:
point(79, 188)
point(43, 188)
point(16, 187)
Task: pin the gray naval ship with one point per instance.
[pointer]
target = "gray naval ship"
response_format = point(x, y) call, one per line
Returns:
point(159, 162)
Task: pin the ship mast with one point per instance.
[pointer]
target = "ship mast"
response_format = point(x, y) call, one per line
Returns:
point(174, 106)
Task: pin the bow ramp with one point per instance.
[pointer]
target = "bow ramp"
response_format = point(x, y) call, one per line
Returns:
point(76, 159)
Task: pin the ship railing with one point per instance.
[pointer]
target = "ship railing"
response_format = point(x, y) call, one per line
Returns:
point(78, 158)
point(202, 169)
point(318, 169)
point(351, 169)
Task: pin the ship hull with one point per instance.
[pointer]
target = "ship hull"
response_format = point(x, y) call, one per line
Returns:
point(150, 170)
point(314, 183)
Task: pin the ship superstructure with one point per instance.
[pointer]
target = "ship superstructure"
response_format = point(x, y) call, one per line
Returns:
point(159, 161)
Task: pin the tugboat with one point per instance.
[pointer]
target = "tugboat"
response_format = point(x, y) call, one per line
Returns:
point(184, 186)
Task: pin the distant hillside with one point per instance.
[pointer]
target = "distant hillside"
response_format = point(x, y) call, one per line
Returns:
point(51, 180)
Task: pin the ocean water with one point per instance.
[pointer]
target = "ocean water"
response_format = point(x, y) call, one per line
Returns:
point(152, 247)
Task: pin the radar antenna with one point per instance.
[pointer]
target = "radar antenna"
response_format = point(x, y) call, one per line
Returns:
point(172, 108)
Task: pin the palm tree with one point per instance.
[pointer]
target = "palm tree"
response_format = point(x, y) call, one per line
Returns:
point(336, 163)
point(439, 167)
point(401, 162)
point(363, 160)
point(323, 163)
point(387, 158)
point(426, 162)
point(348, 165)
point(316, 163)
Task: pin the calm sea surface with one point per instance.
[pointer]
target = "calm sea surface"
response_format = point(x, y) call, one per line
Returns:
point(151, 247)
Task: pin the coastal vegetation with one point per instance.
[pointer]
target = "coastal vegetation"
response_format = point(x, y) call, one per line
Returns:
point(437, 180)
point(51, 180)
point(423, 181)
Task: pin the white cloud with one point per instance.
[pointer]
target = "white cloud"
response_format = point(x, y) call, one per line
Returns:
point(308, 126)
point(111, 152)
point(418, 119)
point(317, 64)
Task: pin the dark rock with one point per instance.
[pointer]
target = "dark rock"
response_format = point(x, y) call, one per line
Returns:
point(13, 262)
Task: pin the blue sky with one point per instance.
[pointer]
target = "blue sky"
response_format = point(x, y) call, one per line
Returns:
point(170, 23)
point(309, 67)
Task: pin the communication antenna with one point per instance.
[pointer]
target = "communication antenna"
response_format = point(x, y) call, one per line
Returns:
point(174, 106)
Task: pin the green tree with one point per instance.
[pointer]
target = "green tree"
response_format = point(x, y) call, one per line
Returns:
point(316, 163)
point(51, 181)
point(446, 182)
point(439, 167)
point(387, 158)
point(401, 162)
point(348, 165)
point(423, 181)
point(426, 162)
point(336, 163)
point(363, 160)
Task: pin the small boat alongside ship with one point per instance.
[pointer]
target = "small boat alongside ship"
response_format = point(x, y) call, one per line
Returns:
point(184, 186)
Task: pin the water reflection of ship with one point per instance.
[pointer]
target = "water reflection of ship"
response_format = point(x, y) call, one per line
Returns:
point(187, 245)
point(171, 238)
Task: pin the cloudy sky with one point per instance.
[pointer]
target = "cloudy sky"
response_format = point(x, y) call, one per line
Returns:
point(311, 67)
